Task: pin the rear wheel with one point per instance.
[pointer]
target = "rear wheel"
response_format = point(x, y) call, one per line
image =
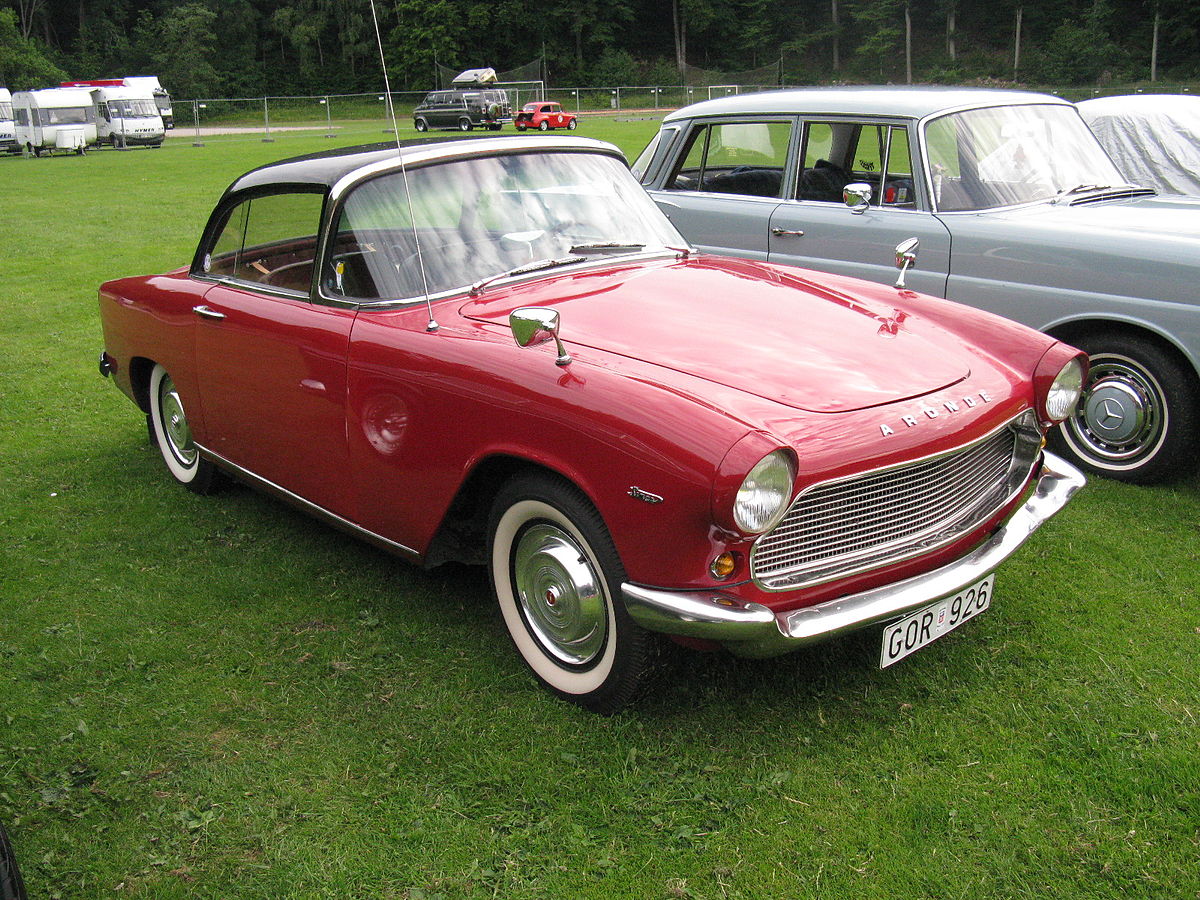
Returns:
point(557, 579)
point(174, 436)
point(421, 125)
point(544, 125)
point(1139, 417)
point(464, 124)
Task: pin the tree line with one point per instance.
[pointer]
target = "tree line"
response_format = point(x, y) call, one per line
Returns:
point(247, 48)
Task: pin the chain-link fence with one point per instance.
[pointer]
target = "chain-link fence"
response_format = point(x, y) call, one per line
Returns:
point(368, 114)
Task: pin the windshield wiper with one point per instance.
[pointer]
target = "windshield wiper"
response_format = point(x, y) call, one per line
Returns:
point(605, 247)
point(1085, 188)
point(537, 266)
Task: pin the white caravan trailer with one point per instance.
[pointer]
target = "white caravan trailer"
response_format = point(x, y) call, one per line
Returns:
point(8, 134)
point(149, 86)
point(126, 117)
point(54, 119)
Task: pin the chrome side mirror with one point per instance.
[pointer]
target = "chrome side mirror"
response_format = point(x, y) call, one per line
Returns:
point(906, 258)
point(857, 196)
point(535, 325)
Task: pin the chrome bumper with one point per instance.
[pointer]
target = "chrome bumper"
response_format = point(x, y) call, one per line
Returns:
point(751, 629)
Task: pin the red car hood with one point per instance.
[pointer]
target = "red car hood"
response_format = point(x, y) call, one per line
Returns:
point(746, 326)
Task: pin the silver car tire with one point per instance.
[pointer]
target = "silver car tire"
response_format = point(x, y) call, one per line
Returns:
point(557, 579)
point(174, 436)
point(1139, 417)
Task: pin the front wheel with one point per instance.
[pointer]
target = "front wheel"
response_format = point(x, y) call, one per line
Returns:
point(421, 125)
point(544, 125)
point(174, 437)
point(571, 125)
point(464, 124)
point(557, 578)
point(1139, 417)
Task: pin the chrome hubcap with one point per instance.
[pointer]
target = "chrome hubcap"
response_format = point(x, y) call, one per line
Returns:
point(1122, 415)
point(560, 594)
point(175, 426)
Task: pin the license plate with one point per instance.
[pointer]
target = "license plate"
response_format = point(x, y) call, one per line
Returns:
point(926, 625)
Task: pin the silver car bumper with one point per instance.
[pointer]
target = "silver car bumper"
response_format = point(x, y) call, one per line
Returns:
point(751, 629)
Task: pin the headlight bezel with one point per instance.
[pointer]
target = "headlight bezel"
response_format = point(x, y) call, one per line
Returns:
point(1064, 392)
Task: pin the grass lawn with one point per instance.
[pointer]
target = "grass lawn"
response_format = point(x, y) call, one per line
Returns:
point(220, 698)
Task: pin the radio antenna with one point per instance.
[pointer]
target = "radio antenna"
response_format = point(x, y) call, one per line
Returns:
point(432, 325)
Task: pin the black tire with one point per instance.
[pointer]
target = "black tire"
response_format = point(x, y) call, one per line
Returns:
point(11, 885)
point(572, 124)
point(543, 125)
point(1139, 418)
point(174, 437)
point(421, 125)
point(520, 127)
point(557, 578)
point(464, 124)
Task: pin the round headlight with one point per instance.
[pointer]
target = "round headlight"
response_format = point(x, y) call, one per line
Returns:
point(1065, 391)
point(763, 497)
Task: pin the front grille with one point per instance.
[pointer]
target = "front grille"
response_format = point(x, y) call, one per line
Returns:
point(839, 528)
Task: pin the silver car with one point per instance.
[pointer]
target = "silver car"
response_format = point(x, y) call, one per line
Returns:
point(1016, 208)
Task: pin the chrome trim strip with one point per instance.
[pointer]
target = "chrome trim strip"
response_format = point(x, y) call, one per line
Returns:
point(308, 506)
point(750, 629)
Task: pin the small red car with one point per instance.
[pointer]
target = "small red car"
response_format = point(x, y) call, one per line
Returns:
point(544, 115)
point(501, 352)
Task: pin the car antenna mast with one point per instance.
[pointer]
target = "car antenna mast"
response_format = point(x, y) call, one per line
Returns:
point(387, 87)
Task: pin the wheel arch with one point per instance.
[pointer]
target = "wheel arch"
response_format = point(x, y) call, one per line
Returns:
point(462, 534)
point(140, 369)
point(1073, 330)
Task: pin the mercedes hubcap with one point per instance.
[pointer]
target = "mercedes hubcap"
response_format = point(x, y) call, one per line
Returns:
point(1121, 416)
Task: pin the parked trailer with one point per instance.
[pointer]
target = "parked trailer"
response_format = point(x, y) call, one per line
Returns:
point(8, 133)
point(54, 119)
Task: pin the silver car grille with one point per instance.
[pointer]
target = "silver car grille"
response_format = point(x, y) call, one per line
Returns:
point(839, 528)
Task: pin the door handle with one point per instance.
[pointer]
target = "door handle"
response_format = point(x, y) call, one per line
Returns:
point(206, 312)
point(783, 232)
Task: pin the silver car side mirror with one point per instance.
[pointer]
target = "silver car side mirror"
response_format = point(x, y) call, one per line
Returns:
point(857, 196)
point(534, 325)
point(906, 258)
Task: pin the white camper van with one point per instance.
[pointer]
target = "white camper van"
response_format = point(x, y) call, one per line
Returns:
point(149, 87)
point(54, 119)
point(8, 134)
point(126, 117)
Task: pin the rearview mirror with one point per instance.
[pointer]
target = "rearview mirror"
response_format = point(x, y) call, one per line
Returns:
point(857, 196)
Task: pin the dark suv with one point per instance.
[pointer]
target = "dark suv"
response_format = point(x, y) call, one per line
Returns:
point(463, 110)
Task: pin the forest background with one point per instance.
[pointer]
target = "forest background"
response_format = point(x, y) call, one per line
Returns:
point(251, 48)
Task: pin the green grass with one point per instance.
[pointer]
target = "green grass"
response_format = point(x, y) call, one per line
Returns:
point(218, 697)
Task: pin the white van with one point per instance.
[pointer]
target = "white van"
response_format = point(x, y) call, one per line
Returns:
point(149, 87)
point(54, 119)
point(8, 134)
point(127, 117)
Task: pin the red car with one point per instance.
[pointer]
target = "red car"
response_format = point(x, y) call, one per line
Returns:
point(544, 115)
point(500, 351)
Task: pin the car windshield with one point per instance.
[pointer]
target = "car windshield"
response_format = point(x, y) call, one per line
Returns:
point(476, 219)
point(1005, 155)
point(133, 108)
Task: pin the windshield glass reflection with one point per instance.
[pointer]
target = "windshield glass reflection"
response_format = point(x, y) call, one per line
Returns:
point(479, 218)
point(1005, 155)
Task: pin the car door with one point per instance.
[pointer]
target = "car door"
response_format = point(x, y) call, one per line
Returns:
point(728, 178)
point(814, 227)
point(272, 364)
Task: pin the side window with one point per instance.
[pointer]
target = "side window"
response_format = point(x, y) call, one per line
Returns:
point(270, 240)
point(836, 154)
point(745, 158)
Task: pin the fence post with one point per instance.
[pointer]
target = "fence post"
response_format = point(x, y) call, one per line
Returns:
point(267, 139)
point(196, 105)
point(328, 118)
